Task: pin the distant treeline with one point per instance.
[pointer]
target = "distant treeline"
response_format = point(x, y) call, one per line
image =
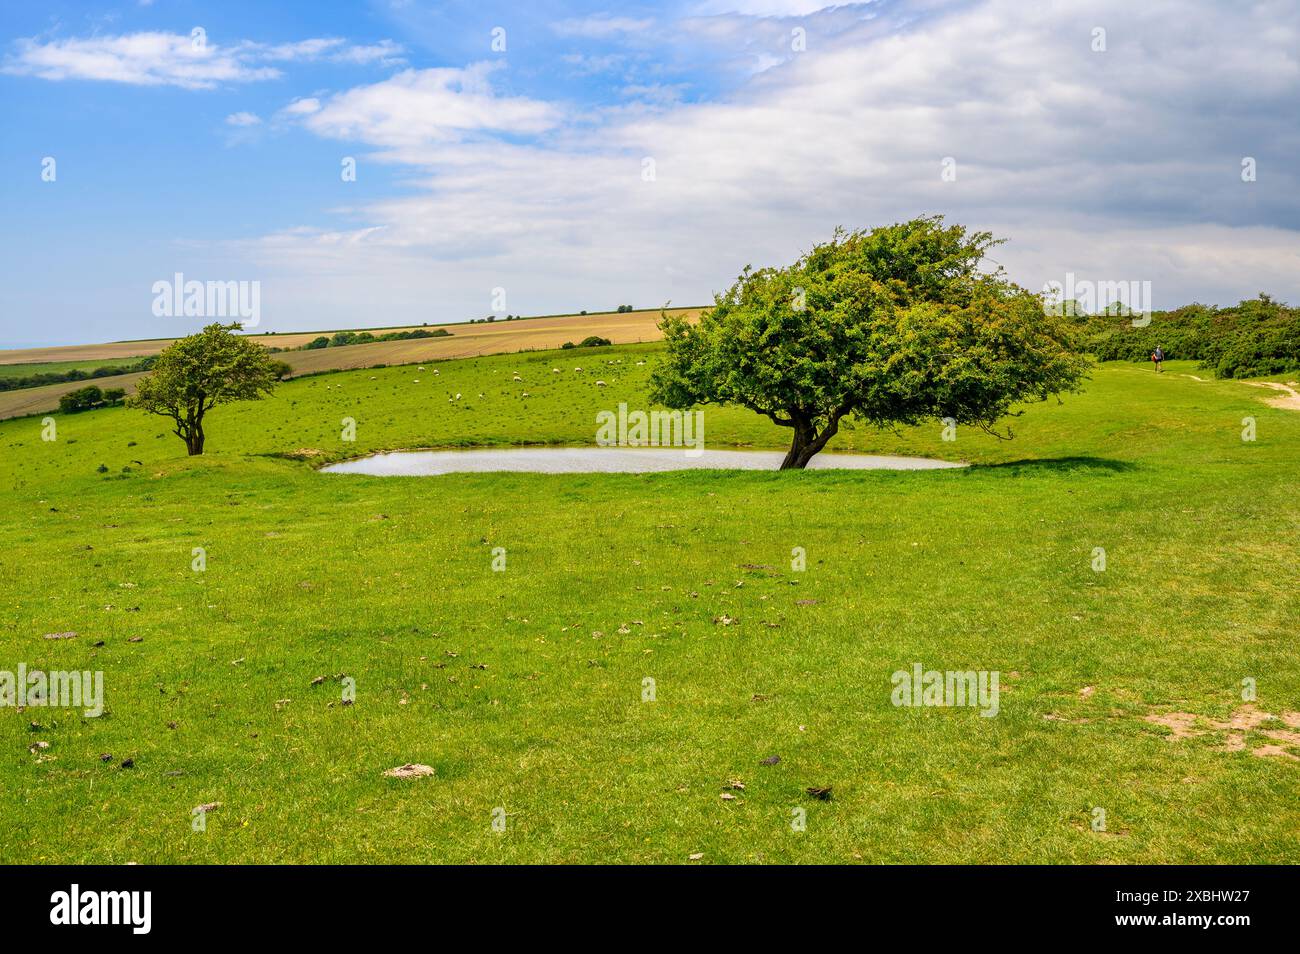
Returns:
point(591, 341)
point(84, 399)
point(1257, 337)
point(76, 374)
point(621, 310)
point(341, 338)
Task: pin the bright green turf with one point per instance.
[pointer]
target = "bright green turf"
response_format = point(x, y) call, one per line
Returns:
point(386, 579)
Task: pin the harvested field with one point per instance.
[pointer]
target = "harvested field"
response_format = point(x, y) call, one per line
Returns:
point(466, 340)
point(580, 324)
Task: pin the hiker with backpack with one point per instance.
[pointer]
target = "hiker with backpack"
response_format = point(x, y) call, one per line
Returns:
point(1157, 358)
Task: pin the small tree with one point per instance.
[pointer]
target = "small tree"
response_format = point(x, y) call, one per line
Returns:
point(82, 399)
point(195, 374)
point(895, 326)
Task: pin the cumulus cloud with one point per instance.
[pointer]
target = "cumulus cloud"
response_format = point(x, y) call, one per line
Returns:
point(190, 61)
point(1116, 165)
point(419, 107)
point(144, 59)
point(243, 119)
point(302, 107)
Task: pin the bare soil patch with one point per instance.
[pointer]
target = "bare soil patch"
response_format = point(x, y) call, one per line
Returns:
point(1234, 733)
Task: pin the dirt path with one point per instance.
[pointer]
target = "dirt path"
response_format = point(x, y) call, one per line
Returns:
point(1289, 398)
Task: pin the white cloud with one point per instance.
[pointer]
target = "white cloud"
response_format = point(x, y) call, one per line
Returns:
point(145, 59)
point(417, 107)
point(767, 8)
point(589, 64)
point(243, 119)
point(190, 61)
point(1116, 166)
point(385, 53)
point(658, 93)
point(600, 26)
point(302, 107)
point(298, 50)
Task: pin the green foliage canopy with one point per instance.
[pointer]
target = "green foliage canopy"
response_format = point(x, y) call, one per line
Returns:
point(194, 374)
point(896, 325)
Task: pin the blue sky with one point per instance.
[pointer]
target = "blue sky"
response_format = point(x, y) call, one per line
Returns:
point(766, 122)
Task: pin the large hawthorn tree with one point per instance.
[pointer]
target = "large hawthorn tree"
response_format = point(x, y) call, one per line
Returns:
point(193, 375)
point(894, 326)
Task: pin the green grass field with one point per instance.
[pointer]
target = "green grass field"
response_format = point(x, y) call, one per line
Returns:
point(523, 688)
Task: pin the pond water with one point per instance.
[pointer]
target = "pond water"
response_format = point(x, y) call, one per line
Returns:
point(605, 460)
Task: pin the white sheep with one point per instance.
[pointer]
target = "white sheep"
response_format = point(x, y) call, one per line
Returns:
point(600, 384)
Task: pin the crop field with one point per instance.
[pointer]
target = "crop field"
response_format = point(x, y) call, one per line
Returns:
point(649, 676)
point(529, 334)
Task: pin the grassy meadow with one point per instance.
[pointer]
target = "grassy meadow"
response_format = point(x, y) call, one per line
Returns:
point(524, 688)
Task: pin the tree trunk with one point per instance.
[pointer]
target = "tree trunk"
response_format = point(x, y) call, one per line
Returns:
point(807, 442)
point(194, 438)
point(797, 457)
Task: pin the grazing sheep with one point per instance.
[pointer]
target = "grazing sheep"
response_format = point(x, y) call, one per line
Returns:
point(457, 395)
point(419, 369)
point(577, 369)
point(555, 370)
point(525, 394)
point(600, 384)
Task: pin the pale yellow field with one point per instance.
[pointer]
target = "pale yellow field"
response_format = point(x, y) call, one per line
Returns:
point(466, 340)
